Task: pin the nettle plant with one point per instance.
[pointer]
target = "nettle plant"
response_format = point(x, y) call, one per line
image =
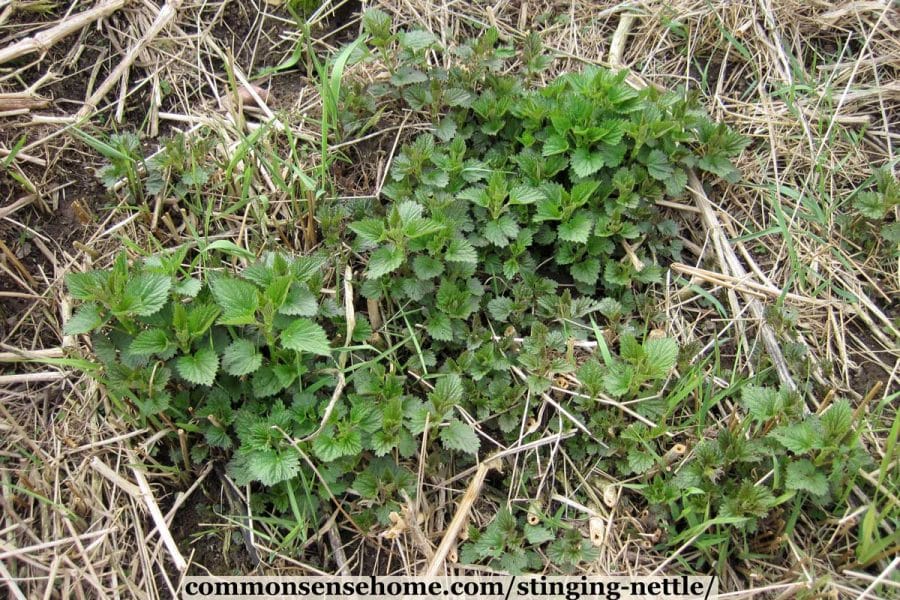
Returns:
point(246, 364)
point(511, 544)
point(772, 456)
point(560, 181)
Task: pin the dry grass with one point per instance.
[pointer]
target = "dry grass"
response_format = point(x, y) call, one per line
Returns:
point(814, 85)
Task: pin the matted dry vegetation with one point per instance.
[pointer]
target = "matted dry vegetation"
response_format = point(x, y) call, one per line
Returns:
point(88, 509)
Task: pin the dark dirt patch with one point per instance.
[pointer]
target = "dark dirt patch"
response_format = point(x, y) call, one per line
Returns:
point(207, 546)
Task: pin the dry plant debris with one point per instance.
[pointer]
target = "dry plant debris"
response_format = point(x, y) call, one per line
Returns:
point(793, 270)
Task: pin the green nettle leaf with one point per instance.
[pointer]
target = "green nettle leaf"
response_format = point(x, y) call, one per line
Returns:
point(524, 194)
point(144, 295)
point(799, 438)
point(537, 535)
point(837, 422)
point(277, 291)
point(461, 250)
point(417, 40)
point(385, 260)
point(658, 165)
point(420, 227)
point(581, 192)
point(238, 300)
point(458, 97)
point(86, 286)
point(555, 144)
point(86, 319)
point(369, 230)
point(618, 379)
point(803, 475)
point(265, 383)
point(304, 335)
point(408, 211)
point(199, 368)
point(640, 461)
point(676, 184)
point(241, 358)
point(500, 308)
point(660, 354)
point(577, 229)
point(300, 302)
point(189, 287)
point(407, 76)
point(271, 467)
point(459, 436)
point(377, 23)
point(440, 327)
point(331, 447)
point(585, 163)
point(762, 403)
point(500, 231)
point(151, 341)
point(870, 205)
point(426, 267)
point(587, 271)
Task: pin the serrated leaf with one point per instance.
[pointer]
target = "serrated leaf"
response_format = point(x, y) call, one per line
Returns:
point(555, 144)
point(837, 421)
point(331, 447)
point(447, 392)
point(369, 230)
point(144, 295)
point(677, 183)
point(870, 205)
point(439, 327)
point(577, 229)
point(86, 319)
point(241, 358)
point(264, 383)
point(524, 194)
point(762, 403)
point(658, 165)
point(408, 210)
point(303, 335)
point(581, 192)
point(238, 300)
point(150, 341)
point(300, 302)
point(376, 23)
point(799, 438)
point(538, 535)
point(199, 368)
point(459, 436)
point(419, 227)
point(618, 379)
point(461, 250)
point(587, 271)
point(86, 286)
point(803, 475)
point(271, 467)
point(426, 267)
point(407, 76)
point(496, 233)
point(500, 308)
point(458, 97)
point(188, 287)
point(384, 260)
point(640, 461)
point(417, 40)
point(585, 163)
point(660, 355)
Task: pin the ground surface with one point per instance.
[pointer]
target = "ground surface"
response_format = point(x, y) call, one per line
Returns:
point(813, 84)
